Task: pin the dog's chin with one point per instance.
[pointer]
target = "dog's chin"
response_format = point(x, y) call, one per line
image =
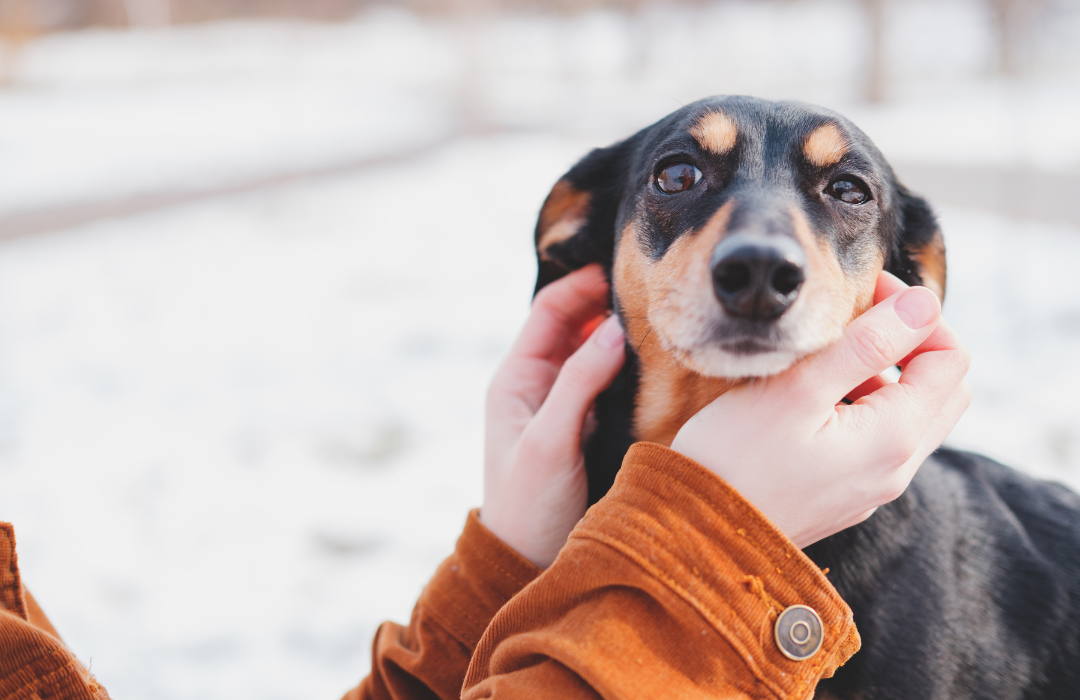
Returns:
point(736, 349)
point(738, 360)
point(738, 355)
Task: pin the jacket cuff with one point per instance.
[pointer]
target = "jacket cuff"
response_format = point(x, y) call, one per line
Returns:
point(471, 585)
point(690, 529)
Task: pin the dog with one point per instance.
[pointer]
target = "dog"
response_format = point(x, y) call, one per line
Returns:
point(740, 235)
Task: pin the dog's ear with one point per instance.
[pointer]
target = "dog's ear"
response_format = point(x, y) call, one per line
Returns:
point(918, 257)
point(577, 222)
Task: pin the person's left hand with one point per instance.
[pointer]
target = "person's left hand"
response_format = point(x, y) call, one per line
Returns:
point(538, 405)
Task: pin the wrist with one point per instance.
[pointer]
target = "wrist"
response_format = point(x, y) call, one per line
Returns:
point(511, 537)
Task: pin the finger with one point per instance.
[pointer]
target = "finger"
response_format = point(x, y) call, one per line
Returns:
point(887, 285)
point(930, 377)
point(585, 374)
point(897, 480)
point(943, 338)
point(559, 312)
point(868, 387)
point(871, 343)
point(919, 409)
point(946, 420)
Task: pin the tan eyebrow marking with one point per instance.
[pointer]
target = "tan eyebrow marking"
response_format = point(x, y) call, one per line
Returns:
point(715, 132)
point(825, 145)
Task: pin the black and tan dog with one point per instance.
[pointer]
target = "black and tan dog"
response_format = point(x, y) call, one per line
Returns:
point(740, 235)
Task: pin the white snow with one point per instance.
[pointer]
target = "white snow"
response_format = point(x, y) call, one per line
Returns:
point(239, 434)
point(235, 435)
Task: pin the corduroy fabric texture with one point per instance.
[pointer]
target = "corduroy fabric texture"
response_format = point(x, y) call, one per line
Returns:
point(34, 663)
point(428, 658)
point(669, 587)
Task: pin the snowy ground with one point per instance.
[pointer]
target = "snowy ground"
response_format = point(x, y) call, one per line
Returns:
point(237, 434)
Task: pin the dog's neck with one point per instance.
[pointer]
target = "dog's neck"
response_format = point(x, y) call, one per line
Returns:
point(668, 393)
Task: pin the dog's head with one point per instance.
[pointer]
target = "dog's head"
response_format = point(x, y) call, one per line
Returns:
point(740, 235)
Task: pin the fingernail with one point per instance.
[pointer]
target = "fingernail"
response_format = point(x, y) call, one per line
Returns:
point(610, 333)
point(917, 307)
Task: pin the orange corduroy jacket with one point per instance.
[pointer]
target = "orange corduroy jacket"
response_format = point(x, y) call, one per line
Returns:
point(671, 586)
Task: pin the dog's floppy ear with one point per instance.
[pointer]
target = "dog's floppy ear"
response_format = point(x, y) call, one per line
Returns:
point(577, 222)
point(919, 254)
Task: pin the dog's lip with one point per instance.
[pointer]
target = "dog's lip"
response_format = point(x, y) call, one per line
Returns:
point(742, 337)
point(748, 346)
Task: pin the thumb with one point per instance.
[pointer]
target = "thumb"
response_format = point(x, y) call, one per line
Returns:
point(872, 343)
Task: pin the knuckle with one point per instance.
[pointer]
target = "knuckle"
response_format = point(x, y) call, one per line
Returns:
point(872, 346)
point(862, 517)
point(577, 372)
point(549, 300)
point(965, 393)
point(893, 488)
point(543, 297)
point(901, 450)
point(961, 360)
point(530, 448)
point(966, 359)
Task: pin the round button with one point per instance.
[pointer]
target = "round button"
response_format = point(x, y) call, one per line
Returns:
point(798, 632)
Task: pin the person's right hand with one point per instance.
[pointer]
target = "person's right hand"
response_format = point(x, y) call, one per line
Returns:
point(815, 466)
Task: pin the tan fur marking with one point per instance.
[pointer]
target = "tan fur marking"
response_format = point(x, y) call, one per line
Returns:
point(669, 393)
point(931, 262)
point(836, 298)
point(825, 145)
point(715, 132)
point(562, 215)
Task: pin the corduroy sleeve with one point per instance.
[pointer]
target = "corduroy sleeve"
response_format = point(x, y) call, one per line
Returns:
point(669, 587)
point(34, 663)
point(428, 659)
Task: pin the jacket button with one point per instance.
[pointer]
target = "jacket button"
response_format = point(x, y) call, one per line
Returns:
point(798, 632)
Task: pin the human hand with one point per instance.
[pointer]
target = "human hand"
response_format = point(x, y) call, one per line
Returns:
point(814, 466)
point(535, 488)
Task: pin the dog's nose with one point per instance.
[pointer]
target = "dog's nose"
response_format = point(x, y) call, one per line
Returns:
point(758, 277)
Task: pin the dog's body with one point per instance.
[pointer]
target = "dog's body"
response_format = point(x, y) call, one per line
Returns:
point(967, 586)
point(741, 235)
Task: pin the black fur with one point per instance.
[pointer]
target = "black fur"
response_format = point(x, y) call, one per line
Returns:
point(968, 585)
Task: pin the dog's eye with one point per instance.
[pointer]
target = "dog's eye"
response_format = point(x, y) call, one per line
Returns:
point(850, 190)
point(677, 177)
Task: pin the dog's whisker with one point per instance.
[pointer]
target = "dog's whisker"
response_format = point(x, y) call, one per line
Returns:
point(643, 339)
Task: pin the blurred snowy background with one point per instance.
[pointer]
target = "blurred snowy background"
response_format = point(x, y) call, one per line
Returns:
point(259, 260)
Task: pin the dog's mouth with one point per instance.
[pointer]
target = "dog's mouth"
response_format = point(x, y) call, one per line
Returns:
point(737, 348)
point(748, 346)
point(743, 337)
